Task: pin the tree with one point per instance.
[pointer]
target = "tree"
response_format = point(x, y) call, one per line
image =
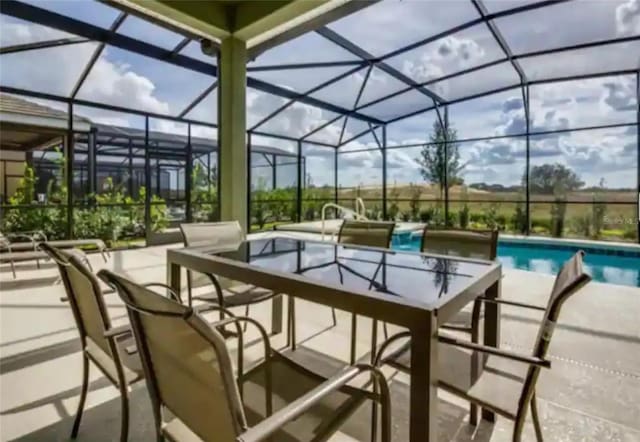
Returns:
point(556, 179)
point(439, 154)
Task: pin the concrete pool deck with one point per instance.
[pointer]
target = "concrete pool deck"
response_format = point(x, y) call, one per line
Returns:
point(591, 393)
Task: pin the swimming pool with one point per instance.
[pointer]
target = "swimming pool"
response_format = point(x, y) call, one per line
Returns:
point(604, 264)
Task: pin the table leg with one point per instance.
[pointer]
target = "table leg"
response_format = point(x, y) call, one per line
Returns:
point(277, 313)
point(173, 277)
point(491, 330)
point(423, 418)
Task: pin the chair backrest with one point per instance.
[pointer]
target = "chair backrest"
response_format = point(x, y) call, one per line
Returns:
point(569, 280)
point(212, 234)
point(366, 233)
point(480, 244)
point(85, 296)
point(186, 363)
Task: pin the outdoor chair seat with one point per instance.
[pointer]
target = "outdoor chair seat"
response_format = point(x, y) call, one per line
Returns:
point(240, 295)
point(130, 360)
point(499, 384)
point(190, 377)
point(291, 381)
point(499, 380)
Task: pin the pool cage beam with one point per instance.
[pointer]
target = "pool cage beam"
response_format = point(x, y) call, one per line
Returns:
point(13, 49)
point(306, 94)
point(198, 99)
point(357, 100)
point(96, 55)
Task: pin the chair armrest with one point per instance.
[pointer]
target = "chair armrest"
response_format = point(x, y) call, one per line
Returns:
point(297, 408)
point(114, 332)
point(512, 303)
point(531, 360)
point(174, 295)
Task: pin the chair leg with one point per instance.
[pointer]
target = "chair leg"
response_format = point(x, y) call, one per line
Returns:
point(124, 401)
point(354, 329)
point(189, 296)
point(475, 359)
point(37, 263)
point(83, 396)
point(385, 331)
point(246, 313)
point(13, 269)
point(292, 318)
point(333, 317)
point(536, 418)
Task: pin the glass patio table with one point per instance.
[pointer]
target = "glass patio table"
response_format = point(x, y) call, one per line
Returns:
point(416, 291)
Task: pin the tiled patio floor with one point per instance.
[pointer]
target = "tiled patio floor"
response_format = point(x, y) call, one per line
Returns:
point(591, 393)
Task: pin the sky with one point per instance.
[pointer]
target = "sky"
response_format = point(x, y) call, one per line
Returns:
point(130, 80)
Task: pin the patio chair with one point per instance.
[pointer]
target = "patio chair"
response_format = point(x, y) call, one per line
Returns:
point(507, 383)
point(110, 349)
point(222, 234)
point(464, 243)
point(195, 397)
point(358, 233)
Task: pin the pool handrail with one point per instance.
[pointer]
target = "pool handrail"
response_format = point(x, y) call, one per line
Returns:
point(355, 213)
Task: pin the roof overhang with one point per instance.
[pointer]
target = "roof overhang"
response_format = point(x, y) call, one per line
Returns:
point(257, 22)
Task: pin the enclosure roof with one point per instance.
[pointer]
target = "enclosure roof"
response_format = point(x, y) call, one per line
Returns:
point(382, 63)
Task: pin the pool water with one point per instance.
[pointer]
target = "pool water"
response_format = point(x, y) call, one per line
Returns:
point(600, 263)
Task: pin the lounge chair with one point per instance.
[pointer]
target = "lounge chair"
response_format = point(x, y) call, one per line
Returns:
point(12, 252)
point(507, 384)
point(226, 293)
point(195, 397)
point(111, 349)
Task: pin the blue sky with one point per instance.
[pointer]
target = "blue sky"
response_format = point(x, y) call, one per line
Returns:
point(126, 79)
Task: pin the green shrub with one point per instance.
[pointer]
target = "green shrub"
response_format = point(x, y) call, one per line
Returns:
point(463, 217)
point(426, 215)
point(519, 219)
point(582, 225)
point(558, 213)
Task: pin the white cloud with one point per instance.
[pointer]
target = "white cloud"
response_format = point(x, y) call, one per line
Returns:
point(59, 68)
point(628, 18)
point(450, 54)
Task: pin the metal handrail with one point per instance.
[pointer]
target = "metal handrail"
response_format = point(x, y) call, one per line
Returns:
point(360, 205)
point(356, 214)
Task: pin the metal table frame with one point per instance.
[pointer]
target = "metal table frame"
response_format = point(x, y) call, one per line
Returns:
point(420, 319)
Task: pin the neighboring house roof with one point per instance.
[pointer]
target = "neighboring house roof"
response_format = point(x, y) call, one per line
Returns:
point(17, 105)
point(18, 111)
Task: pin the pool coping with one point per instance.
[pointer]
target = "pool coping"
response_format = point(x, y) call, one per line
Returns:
point(411, 228)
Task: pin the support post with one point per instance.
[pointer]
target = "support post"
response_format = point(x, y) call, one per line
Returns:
point(234, 170)
point(147, 181)
point(638, 156)
point(299, 188)
point(248, 184)
point(130, 180)
point(274, 176)
point(188, 178)
point(69, 171)
point(335, 175)
point(384, 172)
point(525, 93)
point(92, 162)
point(446, 166)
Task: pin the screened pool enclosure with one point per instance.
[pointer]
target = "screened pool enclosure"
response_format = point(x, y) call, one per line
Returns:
point(520, 115)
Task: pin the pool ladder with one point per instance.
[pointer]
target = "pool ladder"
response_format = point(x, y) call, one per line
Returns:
point(358, 214)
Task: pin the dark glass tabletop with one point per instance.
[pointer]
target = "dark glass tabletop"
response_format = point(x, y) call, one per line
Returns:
point(411, 276)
